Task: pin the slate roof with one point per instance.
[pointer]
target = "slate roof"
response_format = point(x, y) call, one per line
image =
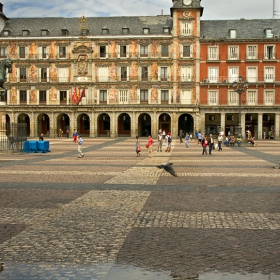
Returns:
point(95, 25)
point(245, 29)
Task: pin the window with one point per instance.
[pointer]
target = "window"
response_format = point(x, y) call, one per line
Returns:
point(213, 75)
point(164, 51)
point(233, 53)
point(62, 52)
point(25, 33)
point(186, 28)
point(144, 96)
point(233, 98)
point(164, 96)
point(43, 74)
point(63, 96)
point(144, 73)
point(105, 31)
point(124, 73)
point(146, 31)
point(251, 52)
point(22, 52)
point(22, 74)
point(122, 51)
point(22, 96)
point(3, 52)
point(3, 98)
point(186, 74)
point(232, 74)
point(125, 31)
point(42, 96)
point(123, 96)
point(186, 51)
point(102, 51)
point(44, 52)
point(163, 73)
point(44, 33)
point(269, 74)
point(268, 97)
point(103, 74)
point(6, 33)
point(251, 97)
point(213, 97)
point(65, 32)
point(268, 33)
point(213, 53)
point(232, 33)
point(143, 51)
point(269, 52)
point(166, 30)
point(252, 74)
point(103, 96)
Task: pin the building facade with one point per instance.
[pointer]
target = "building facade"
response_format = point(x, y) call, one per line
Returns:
point(128, 76)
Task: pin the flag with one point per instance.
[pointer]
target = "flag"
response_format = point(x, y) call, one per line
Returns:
point(81, 95)
point(79, 98)
point(74, 96)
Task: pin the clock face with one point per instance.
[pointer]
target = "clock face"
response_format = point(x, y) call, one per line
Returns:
point(187, 2)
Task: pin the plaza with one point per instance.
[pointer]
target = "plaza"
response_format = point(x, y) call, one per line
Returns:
point(112, 215)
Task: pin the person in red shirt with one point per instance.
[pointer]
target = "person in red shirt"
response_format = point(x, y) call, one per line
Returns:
point(150, 146)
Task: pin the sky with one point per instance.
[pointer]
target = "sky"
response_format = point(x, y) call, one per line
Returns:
point(213, 9)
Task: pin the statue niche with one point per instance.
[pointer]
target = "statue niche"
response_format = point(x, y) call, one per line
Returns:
point(82, 65)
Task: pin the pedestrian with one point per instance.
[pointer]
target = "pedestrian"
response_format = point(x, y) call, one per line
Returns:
point(191, 136)
point(75, 134)
point(168, 142)
point(220, 141)
point(187, 139)
point(80, 149)
point(138, 148)
point(150, 145)
point(60, 132)
point(160, 139)
point(67, 133)
point(196, 136)
point(199, 137)
point(11, 142)
point(163, 135)
point(204, 145)
point(210, 142)
point(41, 137)
point(181, 135)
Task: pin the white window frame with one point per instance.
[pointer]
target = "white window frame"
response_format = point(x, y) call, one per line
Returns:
point(186, 97)
point(252, 97)
point(232, 33)
point(268, 33)
point(269, 74)
point(213, 74)
point(232, 74)
point(182, 51)
point(164, 92)
point(186, 28)
point(213, 97)
point(233, 97)
point(213, 53)
point(164, 73)
point(103, 74)
point(123, 96)
point(233, 52)
point(144, 51)
point(252, 52)
point(186, 73)
point(269, 52)
point(252, 74)
point(269, 97)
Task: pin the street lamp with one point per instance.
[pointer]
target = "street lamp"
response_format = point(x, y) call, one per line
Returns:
point(240, 87)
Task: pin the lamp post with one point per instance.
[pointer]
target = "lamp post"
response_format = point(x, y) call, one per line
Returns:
point(240, 87)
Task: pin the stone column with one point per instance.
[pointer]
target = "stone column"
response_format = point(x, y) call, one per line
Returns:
point(202, 122)
point(276, 126)
point(260, 125)
point(223, 122)
point(93, 125)
point(243, 125)
point(133, 125)
point(113, 126)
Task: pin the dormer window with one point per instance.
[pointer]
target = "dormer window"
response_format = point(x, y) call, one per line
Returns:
point(146, 31)
point(166, 30)
point(125, 31)
point(44, 32)
point(25, 33)
point(84, 32)
point(6, 33)
point(105, 31)
point(232, 33)
point(268, 33)
point(65, 32)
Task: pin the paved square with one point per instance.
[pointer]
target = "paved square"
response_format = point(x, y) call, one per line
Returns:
point(112, 215)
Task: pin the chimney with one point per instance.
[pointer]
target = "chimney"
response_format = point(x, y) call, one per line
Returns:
point(1, 8)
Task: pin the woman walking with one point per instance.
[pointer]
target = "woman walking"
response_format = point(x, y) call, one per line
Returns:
point(220, 141)
point(150, 146)
point(138, 149)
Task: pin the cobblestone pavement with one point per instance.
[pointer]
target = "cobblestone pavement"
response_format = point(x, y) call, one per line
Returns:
point(112, 215)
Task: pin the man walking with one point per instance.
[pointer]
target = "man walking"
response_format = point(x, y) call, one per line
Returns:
point(187, 139)
point(80, 149)
point(210, 141)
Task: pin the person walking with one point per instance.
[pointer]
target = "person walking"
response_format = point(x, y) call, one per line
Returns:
point(168, 142)
point(138, 148)
point(211, 143)
point(220, 141)
point(41, 137)
point(187, 139)
point(181, 135)
point(67, 133)
point(80, 149)
point(150, 145)
point(60, 132)
point(11, 142)
point(204, 145)
point(199, 137)
point(75, 135)
point(160, 139)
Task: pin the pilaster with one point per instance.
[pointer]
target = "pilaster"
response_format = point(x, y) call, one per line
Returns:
point(260, 125)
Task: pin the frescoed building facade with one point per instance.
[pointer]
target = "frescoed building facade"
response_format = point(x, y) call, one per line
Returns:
point(128, 76)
